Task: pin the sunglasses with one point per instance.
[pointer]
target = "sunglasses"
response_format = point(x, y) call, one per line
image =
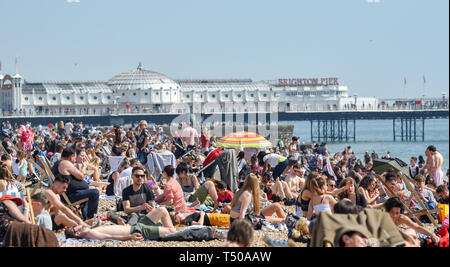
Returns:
point(331, 185)
point(139, 176)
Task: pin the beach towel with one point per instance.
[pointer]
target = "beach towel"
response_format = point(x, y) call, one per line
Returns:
point(372, 223)
point(227, 163)
point(114, 162)
point(74, 241)
point(157, 161)
point(29, 235)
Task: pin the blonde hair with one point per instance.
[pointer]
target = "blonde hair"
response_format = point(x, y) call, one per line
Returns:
point(251, 184)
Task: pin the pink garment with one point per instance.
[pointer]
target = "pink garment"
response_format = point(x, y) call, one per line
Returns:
point(445, 222)
point(189, 134)
point(25, 137)
point(151, 184)
point(173, 190)
point(438, 177)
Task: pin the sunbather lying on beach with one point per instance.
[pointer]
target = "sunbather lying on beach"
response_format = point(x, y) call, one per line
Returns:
point(395, 209)
point(202, 218)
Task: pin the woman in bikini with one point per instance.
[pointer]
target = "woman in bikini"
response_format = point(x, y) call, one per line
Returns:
point(247, 201)
point(320, 202)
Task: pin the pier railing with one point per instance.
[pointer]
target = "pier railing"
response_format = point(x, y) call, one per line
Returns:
point(112, 111)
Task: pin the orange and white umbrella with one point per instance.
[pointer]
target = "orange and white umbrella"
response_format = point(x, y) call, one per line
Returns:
point(243, 140)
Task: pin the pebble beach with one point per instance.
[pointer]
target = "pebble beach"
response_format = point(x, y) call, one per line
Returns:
point(106, 204)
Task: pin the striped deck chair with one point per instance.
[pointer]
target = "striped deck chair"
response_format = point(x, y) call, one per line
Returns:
point(413, 197)
point(40, 174)
point(391, 194)
point(75, 207)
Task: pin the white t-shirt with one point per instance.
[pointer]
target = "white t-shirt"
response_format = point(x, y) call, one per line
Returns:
point(15, 166)
point(126, 172)
point(272, 158)
point(68, 127)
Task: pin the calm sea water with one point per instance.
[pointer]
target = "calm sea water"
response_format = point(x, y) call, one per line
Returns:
point(377, 134)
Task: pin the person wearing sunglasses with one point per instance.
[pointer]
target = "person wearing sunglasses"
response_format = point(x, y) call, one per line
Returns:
point(137, 199)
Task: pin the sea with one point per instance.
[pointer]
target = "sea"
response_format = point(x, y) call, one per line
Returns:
point(378, 135)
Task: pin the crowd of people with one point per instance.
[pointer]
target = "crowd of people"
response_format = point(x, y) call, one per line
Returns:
point(291, 174)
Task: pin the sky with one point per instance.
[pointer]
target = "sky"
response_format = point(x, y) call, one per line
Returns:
point(370, 45)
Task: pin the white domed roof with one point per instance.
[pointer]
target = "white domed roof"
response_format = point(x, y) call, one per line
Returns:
point(142, 79)
point(17, 76)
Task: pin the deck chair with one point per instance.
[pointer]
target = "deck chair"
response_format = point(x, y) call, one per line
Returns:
point(391, 194)
point(73, 206)
point(417, 201)
point(415, 214)
point(3, 150)
point(40, 174)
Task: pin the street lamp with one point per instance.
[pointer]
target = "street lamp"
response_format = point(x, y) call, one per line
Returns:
point(117, 103)
point(355, 95)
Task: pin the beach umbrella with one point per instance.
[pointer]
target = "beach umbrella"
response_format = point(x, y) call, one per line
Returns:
point(243, 140)
point(382, 165)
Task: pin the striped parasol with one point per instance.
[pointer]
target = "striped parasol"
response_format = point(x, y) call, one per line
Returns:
point(243, 139)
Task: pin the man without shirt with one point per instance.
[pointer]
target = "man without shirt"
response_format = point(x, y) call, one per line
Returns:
point(156, 225)
point(295, 179)
point(78, 188)
point(61, 215)
point(434, 165)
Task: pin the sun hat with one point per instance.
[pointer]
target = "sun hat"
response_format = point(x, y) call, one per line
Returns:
point(18, 201)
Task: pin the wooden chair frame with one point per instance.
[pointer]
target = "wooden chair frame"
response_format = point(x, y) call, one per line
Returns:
point(72, 206)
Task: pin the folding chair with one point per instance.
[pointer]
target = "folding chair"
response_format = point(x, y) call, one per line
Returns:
point(391, 194)
point(422, 209)
point(40, 174)
point(73, 206)
point(408, 212)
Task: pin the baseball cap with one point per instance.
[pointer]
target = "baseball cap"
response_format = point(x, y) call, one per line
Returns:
point(18, 201)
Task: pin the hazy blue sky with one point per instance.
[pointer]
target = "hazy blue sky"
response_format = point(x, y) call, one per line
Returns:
point(370, 46)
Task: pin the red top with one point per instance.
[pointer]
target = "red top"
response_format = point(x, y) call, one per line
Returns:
point(225, 198)
point(204, 140)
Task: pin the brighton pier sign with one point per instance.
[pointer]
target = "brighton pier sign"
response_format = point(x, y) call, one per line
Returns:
point(308, 82)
